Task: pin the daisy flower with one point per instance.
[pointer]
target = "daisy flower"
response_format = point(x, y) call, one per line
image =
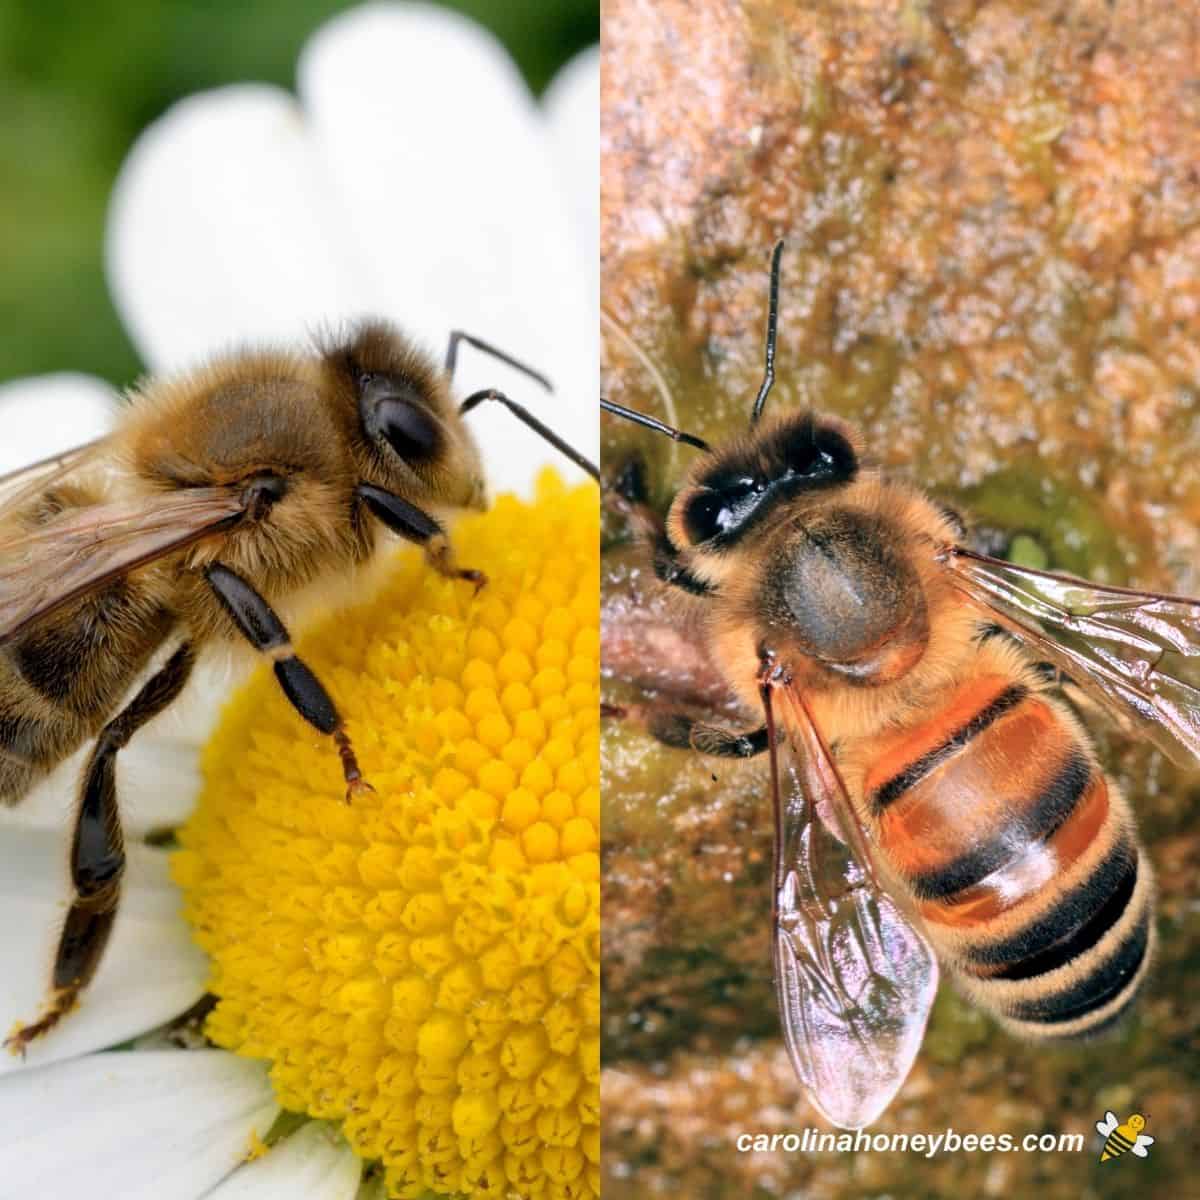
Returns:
point(411, 984)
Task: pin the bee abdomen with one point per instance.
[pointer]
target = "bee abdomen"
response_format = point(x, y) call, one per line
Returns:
point(29, 745)
point(66, 676)
point(1116, 1145)
point(1020, 856)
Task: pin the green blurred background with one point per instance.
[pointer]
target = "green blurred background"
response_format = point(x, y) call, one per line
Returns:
point(79, 82)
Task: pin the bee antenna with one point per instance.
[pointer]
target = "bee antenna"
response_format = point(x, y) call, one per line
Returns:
point(772, 322)
point(458, 335)
point(527, 418)
point(676, 435)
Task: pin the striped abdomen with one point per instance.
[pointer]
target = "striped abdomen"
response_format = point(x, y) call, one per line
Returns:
point(64, 677)
point(1021, 856)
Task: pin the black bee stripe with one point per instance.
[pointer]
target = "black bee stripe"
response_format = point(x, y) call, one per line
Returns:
point(50, 663)
point(1103, 985)
point(891, 791)
point(24, 737)
point(1119, 1142)
point(1036, 824)
point(1095, 908)
point(1099, 1029)
point(99, 640)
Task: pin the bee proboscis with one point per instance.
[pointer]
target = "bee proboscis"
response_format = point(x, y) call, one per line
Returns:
point(221, 493)
point(935, 801)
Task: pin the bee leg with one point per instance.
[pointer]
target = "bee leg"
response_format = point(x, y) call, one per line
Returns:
point(670, 568)
point(727, 743)
point(98, 851)
point(684, 732)
point(627, 498)
point(263, 629)
point(416, 525)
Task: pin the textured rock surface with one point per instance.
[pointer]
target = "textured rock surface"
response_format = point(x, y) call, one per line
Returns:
point(992, 216)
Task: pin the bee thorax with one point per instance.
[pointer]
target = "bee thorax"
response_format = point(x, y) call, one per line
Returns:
point(846, 599)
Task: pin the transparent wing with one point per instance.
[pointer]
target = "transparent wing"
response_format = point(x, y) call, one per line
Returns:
point(16, 487)
point(1142, 1146)
point(79, 551)
point(1136, 653)
point(854, 980)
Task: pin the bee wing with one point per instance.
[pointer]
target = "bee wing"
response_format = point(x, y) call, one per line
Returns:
point(22, 484)
point(1135, 653)
point(854, 979)
point(1105, 1127)
point(1142, 1146)
point(48, 566)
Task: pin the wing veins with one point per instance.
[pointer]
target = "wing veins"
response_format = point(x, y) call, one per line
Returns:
point(1116, 642)
point(84, 549)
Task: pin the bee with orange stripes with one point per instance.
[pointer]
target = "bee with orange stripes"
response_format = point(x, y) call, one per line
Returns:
point(935, 800)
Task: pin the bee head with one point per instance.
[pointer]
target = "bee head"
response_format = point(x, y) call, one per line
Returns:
point(732, 492)
point(410, 438)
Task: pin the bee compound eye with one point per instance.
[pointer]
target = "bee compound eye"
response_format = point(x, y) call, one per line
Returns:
point(706, 514)
point(409, 429)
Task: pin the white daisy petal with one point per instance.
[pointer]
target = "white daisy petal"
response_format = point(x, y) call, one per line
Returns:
point(442, 168)
point(572, 107)
point(419, 186)
point(315, 1163)
point(150, 973)
point(158, 780)
point(218, 234)
point(47, 414)
point(158, 1125)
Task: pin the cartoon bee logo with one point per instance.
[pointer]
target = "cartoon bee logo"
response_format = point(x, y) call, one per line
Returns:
point(1120, 1138)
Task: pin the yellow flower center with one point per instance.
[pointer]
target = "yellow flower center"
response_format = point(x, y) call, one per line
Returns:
point(422, 966)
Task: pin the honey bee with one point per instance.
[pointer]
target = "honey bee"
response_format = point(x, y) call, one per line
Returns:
point(222, 493)
point(935, 799)
point(1121, 1138)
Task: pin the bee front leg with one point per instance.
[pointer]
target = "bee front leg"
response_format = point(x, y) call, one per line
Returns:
point(629, 499)
point(416, 525)
point(263, 629)
point(98, 851)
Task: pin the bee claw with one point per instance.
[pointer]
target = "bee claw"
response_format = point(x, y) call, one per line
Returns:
point(23, 1036)
point(357, 788)
point(440, 557)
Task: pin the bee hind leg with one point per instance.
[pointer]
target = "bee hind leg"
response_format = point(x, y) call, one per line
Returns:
point(98, 852)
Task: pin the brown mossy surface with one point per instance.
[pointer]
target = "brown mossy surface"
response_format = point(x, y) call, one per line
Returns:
point(992, 215)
